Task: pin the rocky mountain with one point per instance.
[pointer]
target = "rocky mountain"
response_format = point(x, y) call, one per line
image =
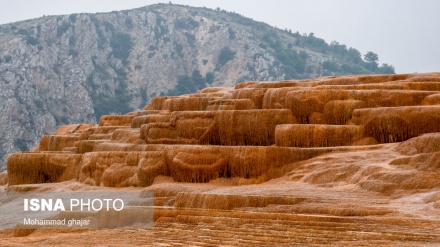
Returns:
point(74, 68)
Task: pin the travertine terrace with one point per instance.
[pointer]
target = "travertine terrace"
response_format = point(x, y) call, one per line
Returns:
point(348, 160)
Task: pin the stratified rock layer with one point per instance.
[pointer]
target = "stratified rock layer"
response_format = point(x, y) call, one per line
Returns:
point(340, 160)
point(248, 131)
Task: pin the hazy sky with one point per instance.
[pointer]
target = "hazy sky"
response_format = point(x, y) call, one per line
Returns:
point(404, 33)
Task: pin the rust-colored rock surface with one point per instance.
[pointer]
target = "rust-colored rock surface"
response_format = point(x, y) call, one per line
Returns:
point(351, 160)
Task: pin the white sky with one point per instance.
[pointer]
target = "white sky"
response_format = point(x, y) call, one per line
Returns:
point(404, 33)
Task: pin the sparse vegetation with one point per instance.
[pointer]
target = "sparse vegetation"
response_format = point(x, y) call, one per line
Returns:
point(102, 40)
point(64, 120)
point(121, 44)
point(191, 39)
point(293, 63)
point(186, 23)
point(209, 77)
point(386, 69)
point(129, 22)
point(72, 41)
point(100, 69)
point(226, 55)
point(30, 40)
point(91, 83)
point(72, 18)
point(190, 83)
point(109, 27)
point(232, 34)
point(39, 103)
point(73, 53)
point(63, 28)
point(21, 144)
point(144, 96)
point(23, 32)
point(179, 49)
point(7, 58)
point(350, 59)
point(330, 66)
point(104, 104)
point(214, 28)
point(160, 30)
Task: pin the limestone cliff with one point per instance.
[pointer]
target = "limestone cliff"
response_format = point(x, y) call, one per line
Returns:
point(57, 70)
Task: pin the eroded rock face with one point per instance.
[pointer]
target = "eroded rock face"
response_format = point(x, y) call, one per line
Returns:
point(342, 161)
point(250, 131)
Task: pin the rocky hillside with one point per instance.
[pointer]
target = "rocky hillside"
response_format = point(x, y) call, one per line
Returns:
point(56, 70)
